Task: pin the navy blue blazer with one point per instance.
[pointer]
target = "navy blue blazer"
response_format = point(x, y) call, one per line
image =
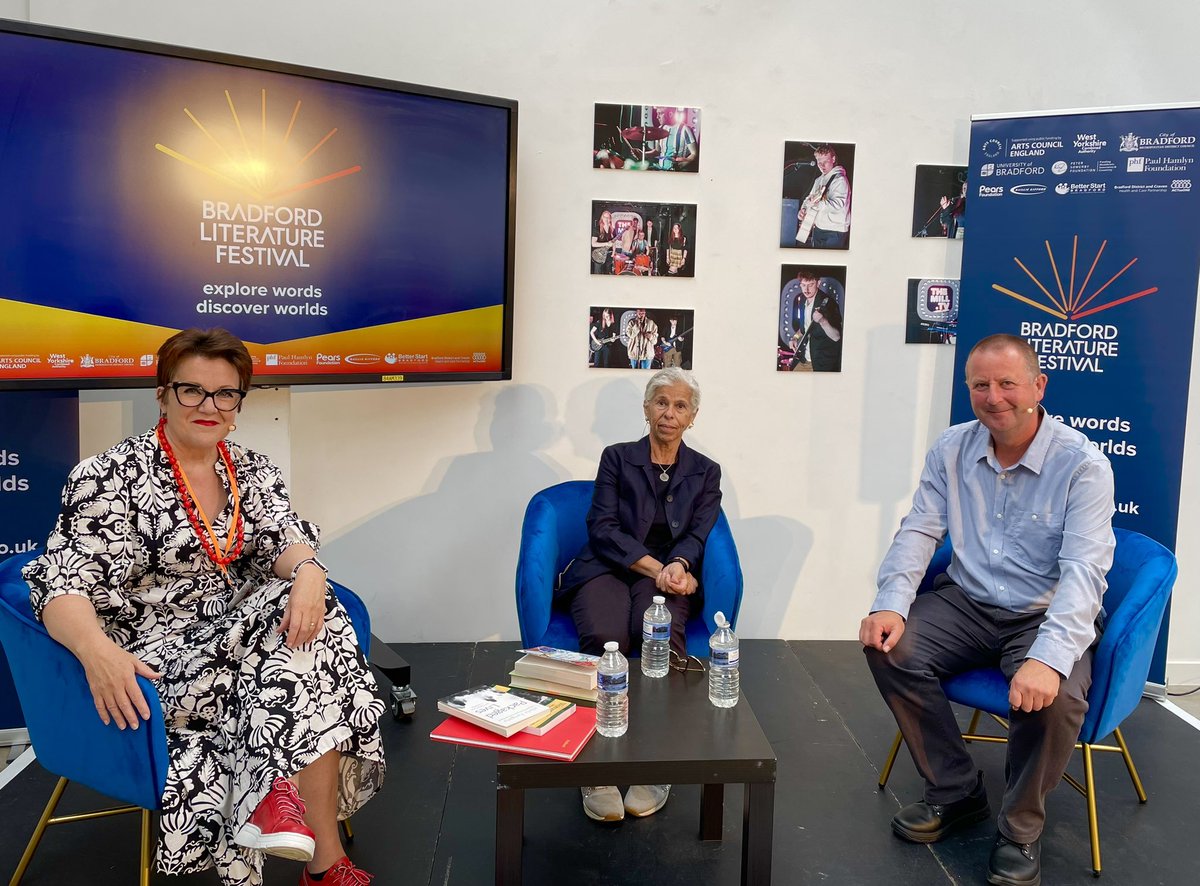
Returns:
point(623, 506)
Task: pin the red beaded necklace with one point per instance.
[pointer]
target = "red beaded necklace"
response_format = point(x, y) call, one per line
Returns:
point(195, 513)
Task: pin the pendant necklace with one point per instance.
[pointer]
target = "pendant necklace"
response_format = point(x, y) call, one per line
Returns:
point(664, 476)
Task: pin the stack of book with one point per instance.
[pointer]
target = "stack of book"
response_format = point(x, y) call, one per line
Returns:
point(556, 672)
point(513, 720)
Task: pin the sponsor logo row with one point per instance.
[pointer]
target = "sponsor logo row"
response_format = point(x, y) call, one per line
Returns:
point(1086, 143)
point(1028, 189)
point(90, 361)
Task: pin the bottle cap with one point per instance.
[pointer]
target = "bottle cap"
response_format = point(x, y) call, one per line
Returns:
point(720, 619)
point(659, 600)
point(611, 646)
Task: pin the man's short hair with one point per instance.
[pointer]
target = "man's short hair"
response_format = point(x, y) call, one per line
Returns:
point(1002, 340)
point(804, 272)
point(825, 149)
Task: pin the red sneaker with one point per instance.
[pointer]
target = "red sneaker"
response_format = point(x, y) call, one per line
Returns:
point(343, 873)
point(277, 826)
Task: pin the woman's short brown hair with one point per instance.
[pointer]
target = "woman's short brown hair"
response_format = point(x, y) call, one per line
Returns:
point(215, 343)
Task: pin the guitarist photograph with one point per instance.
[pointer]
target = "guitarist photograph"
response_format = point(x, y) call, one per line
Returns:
point(822, 217)
point(670, 345)
point(811, 320)
point(604, 338)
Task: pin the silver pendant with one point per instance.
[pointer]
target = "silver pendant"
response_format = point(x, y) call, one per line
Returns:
point(664, 476)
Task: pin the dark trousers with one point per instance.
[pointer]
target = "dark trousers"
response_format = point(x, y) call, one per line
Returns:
point(948, 632)
point(610, 607)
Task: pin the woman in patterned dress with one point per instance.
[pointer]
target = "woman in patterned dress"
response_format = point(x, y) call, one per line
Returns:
point(178, 557)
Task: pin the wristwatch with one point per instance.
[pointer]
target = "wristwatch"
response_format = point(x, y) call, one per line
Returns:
point(305, 561)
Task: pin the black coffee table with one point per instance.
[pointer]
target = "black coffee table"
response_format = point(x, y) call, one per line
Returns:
point(675, 736)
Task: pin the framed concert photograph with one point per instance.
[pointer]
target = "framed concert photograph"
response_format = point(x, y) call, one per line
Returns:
point(812, 308)
point(932, 311)
point(655, 138)
point(940, 202)
point(643, 239)
point(640, 338)
point(818, 181)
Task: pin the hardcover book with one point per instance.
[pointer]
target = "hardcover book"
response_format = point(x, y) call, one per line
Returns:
point(560, 710)
point(499, 709)
point(564, 743)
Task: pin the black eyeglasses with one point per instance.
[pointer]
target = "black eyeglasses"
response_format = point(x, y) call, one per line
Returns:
point(190, 395)
point(685, 663)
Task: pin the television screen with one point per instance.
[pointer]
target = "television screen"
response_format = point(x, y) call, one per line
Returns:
point(348, 229)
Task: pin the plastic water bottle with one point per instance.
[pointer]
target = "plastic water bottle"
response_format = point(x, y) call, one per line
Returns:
point(724, 682)
point(612, 699)
point(656, 639)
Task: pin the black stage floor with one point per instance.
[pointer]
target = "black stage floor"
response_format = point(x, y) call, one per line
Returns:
point(434, 821)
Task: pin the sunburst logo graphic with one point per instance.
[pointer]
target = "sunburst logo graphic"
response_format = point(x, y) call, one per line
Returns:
point(1072, 303)
point(264, 166)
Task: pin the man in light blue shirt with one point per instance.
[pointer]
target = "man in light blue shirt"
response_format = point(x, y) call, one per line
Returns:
point(1028, 505)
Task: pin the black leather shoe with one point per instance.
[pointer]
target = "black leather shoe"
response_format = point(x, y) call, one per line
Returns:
point(1015, 864)
point(928, 822)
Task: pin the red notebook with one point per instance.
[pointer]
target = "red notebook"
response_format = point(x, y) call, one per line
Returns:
point(563, 742)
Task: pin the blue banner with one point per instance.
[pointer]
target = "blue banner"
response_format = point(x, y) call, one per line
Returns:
point(1082, 239)
point(39, 444)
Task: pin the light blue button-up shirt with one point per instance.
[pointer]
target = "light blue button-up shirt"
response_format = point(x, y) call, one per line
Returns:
point(1030, 537)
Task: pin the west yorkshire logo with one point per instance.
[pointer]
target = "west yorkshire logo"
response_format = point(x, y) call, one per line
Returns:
point(1071, 303)
point(262, 163)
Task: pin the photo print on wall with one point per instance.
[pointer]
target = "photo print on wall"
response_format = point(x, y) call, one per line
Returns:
point(812, 305)
point(643, 239)
point(657, 138)
point(932, 311)
point(940, 202)
point(640, 338)
point(817, 186)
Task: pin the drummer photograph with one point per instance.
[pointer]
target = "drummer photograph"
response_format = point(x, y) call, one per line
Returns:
point(658, 138)
point(640, 338)
point(643, 239)
point(818, 191)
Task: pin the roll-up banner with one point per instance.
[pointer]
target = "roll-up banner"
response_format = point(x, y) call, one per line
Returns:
point(1082, 239)
point(39, 444)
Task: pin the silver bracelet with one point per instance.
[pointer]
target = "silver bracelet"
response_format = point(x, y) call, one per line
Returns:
point(306, 560)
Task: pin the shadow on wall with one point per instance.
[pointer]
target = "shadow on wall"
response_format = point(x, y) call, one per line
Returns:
point(440, 566)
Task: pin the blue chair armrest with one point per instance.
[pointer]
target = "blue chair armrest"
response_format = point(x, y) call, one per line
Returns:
point(722, 573)
point(360, 618)
point(67, 734)
point(537, 569)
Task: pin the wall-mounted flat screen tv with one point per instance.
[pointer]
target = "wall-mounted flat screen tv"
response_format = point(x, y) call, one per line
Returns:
point(348, 229)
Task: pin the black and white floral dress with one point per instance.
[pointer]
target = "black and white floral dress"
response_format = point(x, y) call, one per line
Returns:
point(241, 708)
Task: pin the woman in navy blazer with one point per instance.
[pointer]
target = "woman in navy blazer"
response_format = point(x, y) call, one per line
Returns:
point(655, 501)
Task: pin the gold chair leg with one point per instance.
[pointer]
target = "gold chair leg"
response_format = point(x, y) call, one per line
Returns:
point(144, 870)
point(973, 728)
point(347, 830)
point(1128, 758)
point(31, 847)
point(1093, 825)
point(891, 760)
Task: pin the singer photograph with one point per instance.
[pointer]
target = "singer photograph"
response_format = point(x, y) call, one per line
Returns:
point(817, 191)
point(812, 305)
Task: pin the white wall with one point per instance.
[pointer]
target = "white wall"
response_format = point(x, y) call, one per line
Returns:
point(421, 490)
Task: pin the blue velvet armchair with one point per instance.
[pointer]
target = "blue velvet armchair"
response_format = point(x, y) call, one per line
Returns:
point(1139, 586)
point(553, 532)
point(67, 735)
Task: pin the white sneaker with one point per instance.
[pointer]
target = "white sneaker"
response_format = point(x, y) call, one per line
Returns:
point(646, 799)
point(603, 803)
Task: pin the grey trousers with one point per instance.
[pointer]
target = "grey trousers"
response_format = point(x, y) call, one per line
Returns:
point(948, 632)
